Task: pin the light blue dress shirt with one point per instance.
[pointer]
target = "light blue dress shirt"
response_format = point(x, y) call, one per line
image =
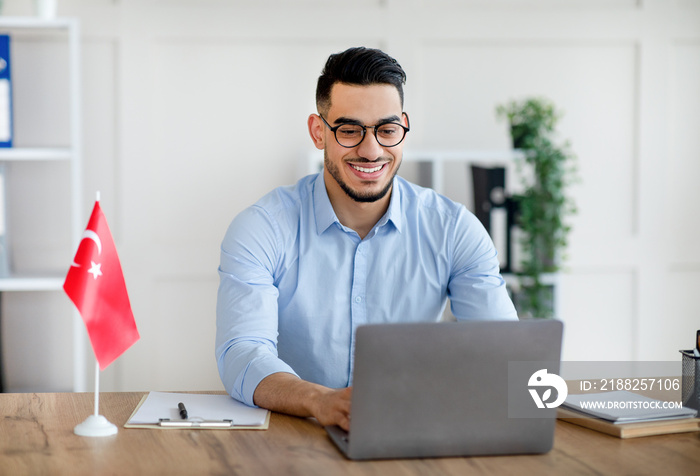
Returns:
point(295, 283)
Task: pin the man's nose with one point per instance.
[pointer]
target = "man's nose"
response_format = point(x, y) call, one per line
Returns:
point(369, 148)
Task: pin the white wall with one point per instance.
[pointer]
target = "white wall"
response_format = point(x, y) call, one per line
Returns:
point(183, 102)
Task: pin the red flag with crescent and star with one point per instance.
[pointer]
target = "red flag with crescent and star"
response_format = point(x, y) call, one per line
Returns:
point(95, 283)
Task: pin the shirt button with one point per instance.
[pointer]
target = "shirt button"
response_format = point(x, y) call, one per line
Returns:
point(358, 299)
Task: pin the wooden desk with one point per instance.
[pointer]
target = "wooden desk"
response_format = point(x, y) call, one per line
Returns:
point(36, 437)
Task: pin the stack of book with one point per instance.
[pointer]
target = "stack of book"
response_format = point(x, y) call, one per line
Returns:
point(627, 415)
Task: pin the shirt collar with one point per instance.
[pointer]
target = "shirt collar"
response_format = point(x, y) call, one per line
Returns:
point(325, 215)
point(323, 210)
point(393, 214)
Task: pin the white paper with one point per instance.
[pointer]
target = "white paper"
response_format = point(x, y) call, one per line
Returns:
point(200, 407)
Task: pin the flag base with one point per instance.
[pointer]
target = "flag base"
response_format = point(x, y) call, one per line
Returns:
point(95, 425)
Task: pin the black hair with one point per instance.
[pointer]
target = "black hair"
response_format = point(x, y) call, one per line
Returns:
point(358, 66)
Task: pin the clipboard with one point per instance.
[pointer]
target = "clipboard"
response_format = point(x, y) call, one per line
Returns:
point(159, 410)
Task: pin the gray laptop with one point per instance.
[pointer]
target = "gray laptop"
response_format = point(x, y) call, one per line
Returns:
point(442, 389)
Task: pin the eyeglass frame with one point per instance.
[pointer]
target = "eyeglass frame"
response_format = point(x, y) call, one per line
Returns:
point(364, 131)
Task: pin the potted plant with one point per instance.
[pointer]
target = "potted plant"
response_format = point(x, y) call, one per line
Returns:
point(543, 206)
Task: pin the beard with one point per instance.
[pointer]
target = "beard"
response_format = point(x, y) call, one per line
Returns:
point(366, 197)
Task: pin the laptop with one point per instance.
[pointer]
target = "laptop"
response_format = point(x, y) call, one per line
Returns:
point(442, 389)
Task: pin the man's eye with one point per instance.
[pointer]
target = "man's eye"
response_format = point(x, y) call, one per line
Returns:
point(388, 130)
point(349, 131)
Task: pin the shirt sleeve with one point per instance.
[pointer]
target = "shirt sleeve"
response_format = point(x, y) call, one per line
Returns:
point(246, 310)
point(476, 288)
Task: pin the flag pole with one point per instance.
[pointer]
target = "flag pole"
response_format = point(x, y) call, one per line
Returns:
point(97, 364)
point(96, 425)
point(97, 389)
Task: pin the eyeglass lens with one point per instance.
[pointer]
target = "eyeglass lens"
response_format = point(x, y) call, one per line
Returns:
point(388, 135)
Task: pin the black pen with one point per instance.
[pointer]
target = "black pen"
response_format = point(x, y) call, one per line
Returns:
point(183, 410)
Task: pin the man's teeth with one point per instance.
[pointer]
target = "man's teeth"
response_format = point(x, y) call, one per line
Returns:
point(368, 171)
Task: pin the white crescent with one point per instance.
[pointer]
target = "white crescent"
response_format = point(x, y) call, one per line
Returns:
point(90, 235)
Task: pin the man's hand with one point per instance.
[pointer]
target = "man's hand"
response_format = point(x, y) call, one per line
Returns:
point(333, 408)
point(286, 393)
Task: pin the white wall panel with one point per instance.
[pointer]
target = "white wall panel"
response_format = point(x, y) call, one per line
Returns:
point(185, 338)
point(598, 310)
point(101, 144)
point(229, 120)
point(683, 161)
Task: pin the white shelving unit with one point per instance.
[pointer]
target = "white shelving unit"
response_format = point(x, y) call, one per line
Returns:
point(64, 29)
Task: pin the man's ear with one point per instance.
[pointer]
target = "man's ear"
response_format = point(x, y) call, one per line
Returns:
point(316, 131)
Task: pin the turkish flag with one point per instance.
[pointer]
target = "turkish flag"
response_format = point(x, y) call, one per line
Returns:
point(95, 284)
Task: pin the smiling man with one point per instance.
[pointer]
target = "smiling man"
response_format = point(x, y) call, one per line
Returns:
point(356, 244)
point(359, 173)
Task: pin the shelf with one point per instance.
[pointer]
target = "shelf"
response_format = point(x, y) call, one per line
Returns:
point(497, 157)
point(36, 22)
point(35, 153)
point(32, 283)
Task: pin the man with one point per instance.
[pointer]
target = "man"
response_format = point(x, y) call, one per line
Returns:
point(307, 264)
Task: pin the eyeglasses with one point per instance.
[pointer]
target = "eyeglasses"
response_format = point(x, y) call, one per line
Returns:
point(388, 134)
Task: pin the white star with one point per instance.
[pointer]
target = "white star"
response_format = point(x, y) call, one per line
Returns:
point(95, 270)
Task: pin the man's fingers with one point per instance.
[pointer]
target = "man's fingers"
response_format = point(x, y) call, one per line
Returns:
point(334, 408)
point(344, 423)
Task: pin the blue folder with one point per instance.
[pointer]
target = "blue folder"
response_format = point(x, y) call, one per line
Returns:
point(6, 131)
